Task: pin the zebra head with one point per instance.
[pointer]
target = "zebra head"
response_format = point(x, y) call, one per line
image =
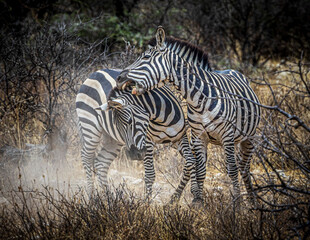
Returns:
point(150, 70)
point(131, 121)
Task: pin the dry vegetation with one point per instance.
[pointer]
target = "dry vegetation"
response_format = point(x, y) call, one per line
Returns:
point(41, 177)
point(121, 214)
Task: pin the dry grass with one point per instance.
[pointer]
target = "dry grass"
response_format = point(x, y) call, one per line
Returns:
point(121, 214)
point(55, 206)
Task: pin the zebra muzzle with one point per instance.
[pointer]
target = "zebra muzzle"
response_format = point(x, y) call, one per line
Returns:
point(134, 153)
point(137, 89)
point(125, 85)
point(129, 84)
point(134, 91)
point(122, 80)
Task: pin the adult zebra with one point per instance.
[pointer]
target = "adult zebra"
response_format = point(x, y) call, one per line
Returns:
point(138, 122)
point(222, 107)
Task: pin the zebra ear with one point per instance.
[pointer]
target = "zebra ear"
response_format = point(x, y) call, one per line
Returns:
point(116, 103)
point(160, 37)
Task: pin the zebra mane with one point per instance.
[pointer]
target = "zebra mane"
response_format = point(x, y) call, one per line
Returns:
point(186, 50)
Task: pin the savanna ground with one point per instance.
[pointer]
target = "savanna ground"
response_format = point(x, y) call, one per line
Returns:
point(51, 49)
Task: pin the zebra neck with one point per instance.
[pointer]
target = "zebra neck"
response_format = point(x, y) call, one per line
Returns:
point(189, 81)
point(145, 102)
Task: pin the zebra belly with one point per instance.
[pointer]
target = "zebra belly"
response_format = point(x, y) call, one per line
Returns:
point(208, 130)
point(165, 139)
point(213, 133)
point(167, 134)
point(205, 135)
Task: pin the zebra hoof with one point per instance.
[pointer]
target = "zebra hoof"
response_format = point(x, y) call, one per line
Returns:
point(197, 203)
point(148, 198)
point(252, 201)
point(175, 198)
point(237, 203)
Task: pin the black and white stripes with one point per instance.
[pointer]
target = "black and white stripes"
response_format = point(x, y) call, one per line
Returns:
point(138, 122)
point(221, 105)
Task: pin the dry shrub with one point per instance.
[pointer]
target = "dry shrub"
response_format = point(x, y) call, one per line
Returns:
point(282, 170)
point(120, 214)
point(40, 69)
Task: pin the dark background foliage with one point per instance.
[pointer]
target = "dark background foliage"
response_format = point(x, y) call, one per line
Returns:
point(254, 30)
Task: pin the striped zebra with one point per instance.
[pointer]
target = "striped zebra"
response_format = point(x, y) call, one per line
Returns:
point(222, 107)
point(137, 122)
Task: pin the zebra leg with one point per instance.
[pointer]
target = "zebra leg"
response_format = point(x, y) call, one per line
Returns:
point(199, 149)
point(149, 167)
point(189, 170)
point(231, 166)
point(246, 150)
point(105, 157)
point(88, 155)
point(90, 141)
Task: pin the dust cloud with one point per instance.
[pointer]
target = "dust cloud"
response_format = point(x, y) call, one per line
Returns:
point(36, 168)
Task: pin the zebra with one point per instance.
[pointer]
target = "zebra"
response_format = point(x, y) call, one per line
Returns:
point(138, 122)
point(222, 107)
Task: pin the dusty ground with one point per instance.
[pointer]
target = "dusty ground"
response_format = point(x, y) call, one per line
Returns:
point(35, 170)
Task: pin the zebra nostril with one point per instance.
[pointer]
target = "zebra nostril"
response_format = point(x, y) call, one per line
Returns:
point(140, 89)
